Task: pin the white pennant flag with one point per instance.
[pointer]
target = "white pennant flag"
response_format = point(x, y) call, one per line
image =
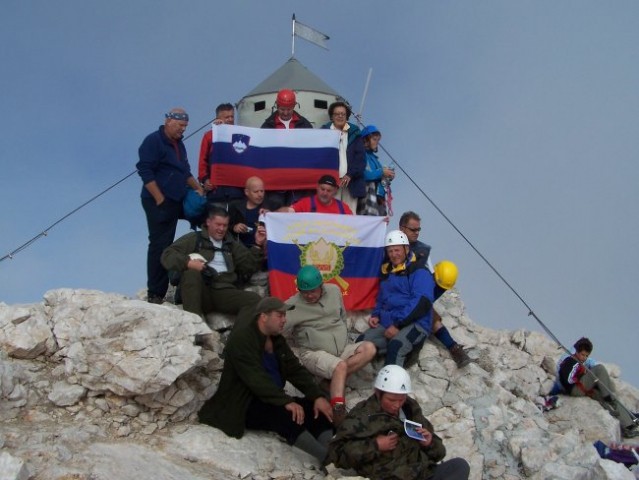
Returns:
point(310, 34)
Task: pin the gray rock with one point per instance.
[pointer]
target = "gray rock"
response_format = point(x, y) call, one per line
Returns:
point(12, 468)
point(24, 332)
point(127, 347)
point(118, 384)
point(64, 394)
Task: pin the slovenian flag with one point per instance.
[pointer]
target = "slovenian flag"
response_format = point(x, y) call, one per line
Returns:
point(284, 159)
point(347, 249)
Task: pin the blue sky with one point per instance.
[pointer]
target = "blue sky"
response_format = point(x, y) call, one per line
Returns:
point(518, 118)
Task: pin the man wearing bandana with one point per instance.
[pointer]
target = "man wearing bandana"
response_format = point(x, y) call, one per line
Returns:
point(403, 314)
point(166, 176)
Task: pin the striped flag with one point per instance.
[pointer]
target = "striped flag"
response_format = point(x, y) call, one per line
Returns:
point(284, 159)
point(347, 249)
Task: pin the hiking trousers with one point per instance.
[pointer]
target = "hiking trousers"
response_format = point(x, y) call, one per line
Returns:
point(200, 298)
point(592, 383)
point(398, 347)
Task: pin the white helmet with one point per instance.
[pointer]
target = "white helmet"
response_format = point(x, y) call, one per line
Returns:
point(393, 379)
point(395, 237)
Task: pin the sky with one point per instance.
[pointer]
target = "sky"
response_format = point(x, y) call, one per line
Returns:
point(518, 119)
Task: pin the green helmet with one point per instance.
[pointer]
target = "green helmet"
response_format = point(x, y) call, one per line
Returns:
point(309, 278)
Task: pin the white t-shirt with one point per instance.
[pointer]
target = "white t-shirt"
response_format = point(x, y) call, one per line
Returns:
point(218, 262)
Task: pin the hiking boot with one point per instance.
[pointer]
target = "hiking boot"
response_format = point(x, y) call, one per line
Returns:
point(459, 355)
point(155, 299)
point(339, 414)
point(630, 432)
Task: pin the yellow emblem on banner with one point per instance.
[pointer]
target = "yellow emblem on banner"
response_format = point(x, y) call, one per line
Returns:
point(327, 257)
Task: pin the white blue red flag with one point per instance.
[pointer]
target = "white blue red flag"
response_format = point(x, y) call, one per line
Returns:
point(347, 249)
point(284, 159)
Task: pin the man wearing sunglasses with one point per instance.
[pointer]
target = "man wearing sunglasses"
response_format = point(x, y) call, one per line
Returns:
point(410, 224)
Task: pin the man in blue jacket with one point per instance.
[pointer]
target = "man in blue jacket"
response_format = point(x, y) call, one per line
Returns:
point(166, 175)
point(403, 316)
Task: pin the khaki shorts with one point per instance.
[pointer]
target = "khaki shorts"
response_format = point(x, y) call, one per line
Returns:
point(322, 363)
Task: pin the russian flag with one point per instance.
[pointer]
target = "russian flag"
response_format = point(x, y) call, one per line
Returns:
point(347, 249)
point(284, 159)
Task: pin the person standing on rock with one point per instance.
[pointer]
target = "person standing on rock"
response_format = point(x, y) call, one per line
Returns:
point(372, 439)
point(210, 262)
point(581, 376)
point(250, 395)
point(286, 118)
point(166, 175)
point(318, 327)
point(402, 318)
point(352, 156)
point(216, 194)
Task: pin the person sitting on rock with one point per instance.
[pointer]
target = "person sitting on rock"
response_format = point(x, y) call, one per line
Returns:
point(402, 318)
point(410, 224)
point(581, 375)
point(210, 262)
point(318, 327)
point(373, 442)
point(250, 395)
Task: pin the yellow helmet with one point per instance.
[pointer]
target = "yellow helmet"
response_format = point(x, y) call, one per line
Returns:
point(446, 274)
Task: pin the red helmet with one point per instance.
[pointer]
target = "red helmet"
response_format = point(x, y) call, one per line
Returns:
point(286, 98)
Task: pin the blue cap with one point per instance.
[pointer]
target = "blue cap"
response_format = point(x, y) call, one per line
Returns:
point(369, 130)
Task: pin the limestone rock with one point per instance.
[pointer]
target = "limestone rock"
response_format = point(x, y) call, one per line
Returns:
point(64, 394)
point(24, 332)
point(127, 347)
point(114, 387)
point(12, 468)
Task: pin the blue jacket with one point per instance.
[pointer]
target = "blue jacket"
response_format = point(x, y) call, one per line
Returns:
point(406, 295)
point(356, 160)
point(160, 161)
point(374, 172)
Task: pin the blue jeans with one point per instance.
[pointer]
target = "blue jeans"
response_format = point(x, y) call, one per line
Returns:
point(162, 223)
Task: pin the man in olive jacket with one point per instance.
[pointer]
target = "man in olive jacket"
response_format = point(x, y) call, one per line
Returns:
point(257, 364)
point(210, 262)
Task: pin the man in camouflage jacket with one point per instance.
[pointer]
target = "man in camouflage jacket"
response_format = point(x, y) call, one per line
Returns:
point(372, 441)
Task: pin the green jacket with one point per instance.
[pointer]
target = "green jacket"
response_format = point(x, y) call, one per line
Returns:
point(240, 260)
point(354, 444)
point(244, 377)
point(321, 325)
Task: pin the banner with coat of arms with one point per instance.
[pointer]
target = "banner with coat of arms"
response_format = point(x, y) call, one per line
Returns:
point(346, 249)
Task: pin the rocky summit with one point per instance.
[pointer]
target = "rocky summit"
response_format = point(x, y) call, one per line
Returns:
point(97, 386)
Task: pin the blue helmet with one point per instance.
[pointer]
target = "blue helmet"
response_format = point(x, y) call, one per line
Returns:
point(369, 130)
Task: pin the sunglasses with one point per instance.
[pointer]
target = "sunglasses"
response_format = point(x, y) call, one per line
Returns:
point(414, 230)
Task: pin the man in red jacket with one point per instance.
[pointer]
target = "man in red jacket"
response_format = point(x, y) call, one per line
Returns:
point(224, 115)
point(285, 116)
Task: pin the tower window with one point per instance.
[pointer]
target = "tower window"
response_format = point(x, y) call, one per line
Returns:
point(260, 106)
point(323, 104)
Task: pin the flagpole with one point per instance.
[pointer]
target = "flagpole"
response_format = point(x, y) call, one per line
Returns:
point(368, 80)
point(293, 38)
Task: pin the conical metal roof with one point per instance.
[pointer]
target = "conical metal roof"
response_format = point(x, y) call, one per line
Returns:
point(295, 76)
